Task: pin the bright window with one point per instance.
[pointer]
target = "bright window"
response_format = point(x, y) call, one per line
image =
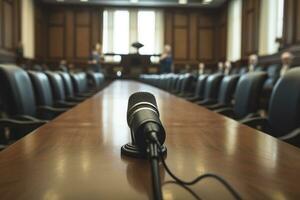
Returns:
point(234, 34)
point(121, 32)
point(280, 11)
point(146, 31)
point(271, 26)
point(121, 28)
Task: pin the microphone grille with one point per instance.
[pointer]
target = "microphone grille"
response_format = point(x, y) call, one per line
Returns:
point(140, 97)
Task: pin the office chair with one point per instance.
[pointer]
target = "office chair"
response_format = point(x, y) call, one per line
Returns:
point(96, 80)
point(43, 93)
point(226, 92)
point(211, 91)
point(80, 85)
point(235, 70)
point(178, 84)
point(188, 83)
point(243, 70)
point(199, 90)
point(69, 89)
point(174, 79)
point(247, 95)
point(259, 69)
point(21, 113)
point(283, 119)
point(58, 90)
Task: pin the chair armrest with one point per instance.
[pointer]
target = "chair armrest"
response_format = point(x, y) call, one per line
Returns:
point(12, 123)
point(216, 106)
point(65, 104)
point(85, 95)
point(256, 122)
point(227, 111)
point(206, 102)
point(292, 138)
point(76, 99)
point(25, 118)
point(52, 110)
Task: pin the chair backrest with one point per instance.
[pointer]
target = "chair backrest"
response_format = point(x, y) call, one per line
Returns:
point(235, 70)
point(284, 107)
point(42, 88)
point(95, 79)
point(16, 91)
point(179, 83)
point(187, 83)
point(200, 85)
point(243, 70)
point(174, 79)
point(259, 69)
point(169, 82)
point(273, 75)
point(57, 85)
point(248, 92)
point(212, 86)
point(68, 85)
point(80, 82)
point(227, 89)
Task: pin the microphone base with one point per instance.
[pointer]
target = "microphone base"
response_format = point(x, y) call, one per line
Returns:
point(133, 151)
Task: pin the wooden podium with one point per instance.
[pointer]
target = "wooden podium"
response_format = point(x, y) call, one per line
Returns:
point(132, 65)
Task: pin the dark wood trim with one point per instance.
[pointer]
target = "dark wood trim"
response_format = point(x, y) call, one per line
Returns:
point(65, 36)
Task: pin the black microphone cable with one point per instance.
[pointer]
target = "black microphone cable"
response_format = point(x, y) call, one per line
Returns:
point(154, 153)
point(234, 193)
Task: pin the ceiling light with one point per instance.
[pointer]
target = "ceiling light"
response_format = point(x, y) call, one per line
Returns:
point(206, 1)
point(182, 1)
point(84, 0)
point(134, 1)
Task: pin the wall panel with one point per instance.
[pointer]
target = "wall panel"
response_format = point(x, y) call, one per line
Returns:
point(206, 40)
point(181, 43)
point(77, 30)
point(250, 26)
point(82, 45)
point(56, 39)
point(297, 19)
point(70, 35)
point(8, 25)
point(9, 29)
point(193, 34)
point(193, 37)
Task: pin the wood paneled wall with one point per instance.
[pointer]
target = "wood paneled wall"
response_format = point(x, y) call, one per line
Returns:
point(250, 26)
point(196, 35)
point(10, 34)
point(291, 35)
point(67, 33)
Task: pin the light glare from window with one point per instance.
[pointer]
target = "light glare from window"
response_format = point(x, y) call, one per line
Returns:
point(146, 31)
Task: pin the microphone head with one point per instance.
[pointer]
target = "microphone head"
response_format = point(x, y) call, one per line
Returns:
point(143, 118)
point(138, 100)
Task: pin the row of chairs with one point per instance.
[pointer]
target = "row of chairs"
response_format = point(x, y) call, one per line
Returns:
point(30, 99)
point(238, 97)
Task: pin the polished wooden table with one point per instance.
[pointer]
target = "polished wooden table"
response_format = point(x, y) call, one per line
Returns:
point(77, 155)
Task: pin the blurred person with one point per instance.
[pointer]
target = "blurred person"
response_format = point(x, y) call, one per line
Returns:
point(63, 66)
point(252, 62)
point(96, 58)
point(286, 60)
point(220, 67)
point(71, 67)
point(166, 60)
point(20, 53)
point(201, 68)
point(228, 67)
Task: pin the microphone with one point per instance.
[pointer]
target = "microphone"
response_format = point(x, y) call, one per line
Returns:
point(144, 123)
